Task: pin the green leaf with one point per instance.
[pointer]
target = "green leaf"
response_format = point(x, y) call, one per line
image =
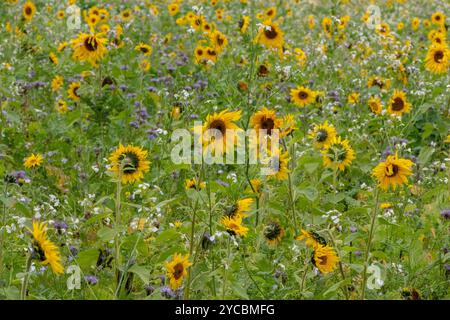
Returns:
point(167, 235)
point(88, 258)
point(425, 155)
point(142, 272)
point(239, 290)
point(106, 234)
point(310, 193)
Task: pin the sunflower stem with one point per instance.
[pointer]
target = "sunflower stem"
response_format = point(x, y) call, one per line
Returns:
point(117, 224)
point(23, 291)
point(2, 231)
point(191, 250)
point(369, 242)
point(225, 268)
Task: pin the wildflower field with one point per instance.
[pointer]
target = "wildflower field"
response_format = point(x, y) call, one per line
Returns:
point(124, 173)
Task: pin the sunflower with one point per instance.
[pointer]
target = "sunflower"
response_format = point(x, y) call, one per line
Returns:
point(73, 91)
point(53, 58)
point(60, 14)
point(375, 105)
point(192, 184)
point(437, 59)
point(255, 186)
point(177, 270)
point(311, 238)
point(266, 119)
point(234, 226)
point(327, 26)
point(44, 249)
point(131, 161)
point(145, 49)
point(383, 84)
point(126, 15)
point(289, 125)
point(273, 232)
point(392, 172)
point(89, 47)
point(57, 83)
point(438, 18)
point(302, 96)
point(219, 40)
point(383, 29)
point(173, 8)
point(61, 106)
point(415, 23)
point(338, 154)
point(239, 209)
point(398, 103)
point(353, 98)
point(219, 123)
point(28, 11)
point(200, 54)
point(145, 65)
point(270, 35)
point(323, 134)
point(311, 21)
point(300, 56)
point(244, 23)
point(278, 165)
point(34, 160)
point(325, 258)
point(271, 12)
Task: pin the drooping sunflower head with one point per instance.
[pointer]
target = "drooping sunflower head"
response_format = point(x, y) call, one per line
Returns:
point(302, 96)
point(266, 119)
point(437, 59)
point(278, 163)
point(239, 209)
point(327, 26)
point(244, 23)
point(338, 154)
point(193, 184)
point(289, 125)
point(398, 104)
point(383, 84)
point(325, 258)
point(177, 270)
point(270, 35)
point(44, 250)
point(28, 11)
point(89, 47)
point(323, 134)
point(73, 91)
point(234, 226)
point(33, 161)
point(311, 238)
point(273, 233)
point(392, 172)
point(61, 106)
point(129, 163)
point(375, 105)
point(143, 48)
point(219, 40)
point(255, 186)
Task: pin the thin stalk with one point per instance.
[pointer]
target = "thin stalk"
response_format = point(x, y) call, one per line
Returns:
point(23, 291)
point(191, 250)
point(225, 269)
point(369, 243)
point(117, 224)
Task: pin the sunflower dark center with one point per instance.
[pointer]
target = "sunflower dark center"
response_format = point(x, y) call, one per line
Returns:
point(211, 52)
point(270, 32)
point(262, 70)
point(220, 41)
point(322, 135)
point(75, 91)
point(231, 211)
point(130, 162)
point(28, 11)
point(438, 56)
point(272, 231)
point(178, 271)
point(391, 170)
point(200, 52)
point(267, 124)
point(323, 260)
point(144, 49)
point(303, 95)
point(218, 125)
point(378, 83)
point(241, 23)
point(398, 104)
point(40, 254)
point(90, 43)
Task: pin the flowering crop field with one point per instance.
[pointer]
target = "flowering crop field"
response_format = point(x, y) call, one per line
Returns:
point(219, 149)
